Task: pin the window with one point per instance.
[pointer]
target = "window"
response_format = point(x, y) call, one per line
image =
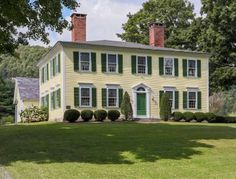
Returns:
point(55, 66)
point(44, 101)
point(141, 65)
point(85, 97)
point(171, 97)
point(168, 66)
point(192, 99)
point(85, 62)
point(44, 74)
point(112, 97)
point(192, 69)
point(56, 99)
point(112, 63)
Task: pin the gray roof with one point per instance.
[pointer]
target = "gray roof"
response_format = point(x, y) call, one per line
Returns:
point(28, 88)
point(122, 44)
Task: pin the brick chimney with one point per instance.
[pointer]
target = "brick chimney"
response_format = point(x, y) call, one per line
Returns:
point(78, 33)
point(157, 34)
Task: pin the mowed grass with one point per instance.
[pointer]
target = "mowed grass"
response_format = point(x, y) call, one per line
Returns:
point(119, 150)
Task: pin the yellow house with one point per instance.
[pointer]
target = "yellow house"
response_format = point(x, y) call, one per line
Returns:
point(26, 94)
point(94, 75)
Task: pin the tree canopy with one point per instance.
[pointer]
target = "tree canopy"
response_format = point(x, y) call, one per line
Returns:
point(24, 20)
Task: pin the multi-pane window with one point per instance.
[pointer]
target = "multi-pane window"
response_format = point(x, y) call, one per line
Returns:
point(56, 99)
point(85, 97)
point(112, 97)
point(192, 68)
point(44, 101)
point(168, 66)
point(44, 74)
point(85, 62)
point(192, 100)
point(55, 67)
point(171, 98)
point(112, 63)
point(141, 65)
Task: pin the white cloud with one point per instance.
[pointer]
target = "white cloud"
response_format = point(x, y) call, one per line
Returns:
point(104, 19)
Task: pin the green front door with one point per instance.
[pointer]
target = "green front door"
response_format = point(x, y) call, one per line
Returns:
point(141, 104)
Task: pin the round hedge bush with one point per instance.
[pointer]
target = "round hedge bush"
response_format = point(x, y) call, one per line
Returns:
point(188, 116)
point(210, 117)
point(200, 116)
point(113, 115)
point(177, 116)
point(100, 115)
point(71, 115)
point(86, 115)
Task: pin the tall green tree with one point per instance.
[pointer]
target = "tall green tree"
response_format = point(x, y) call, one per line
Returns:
point(23, 63)
point(177, 16)
point(34, 18)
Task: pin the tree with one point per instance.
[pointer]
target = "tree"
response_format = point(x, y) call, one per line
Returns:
point(176, 15)
point(24, 63)
point(165, 107)
point(217, 37)
point(24, 20)
point(126, 107)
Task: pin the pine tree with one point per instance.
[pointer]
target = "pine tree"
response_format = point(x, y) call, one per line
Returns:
point(126, 107)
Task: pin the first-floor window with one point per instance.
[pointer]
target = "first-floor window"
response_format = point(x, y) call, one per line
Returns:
point(85, 96)
point(56, 99)
point(171, 98)
point(142, 65)
point(112, 97)
point(84, 61)
point(192, 99)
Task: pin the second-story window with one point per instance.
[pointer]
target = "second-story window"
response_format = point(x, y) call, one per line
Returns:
point(141, 65)
point(192, 68)
point(85, 62)
point(112, 63)
point(169, 66)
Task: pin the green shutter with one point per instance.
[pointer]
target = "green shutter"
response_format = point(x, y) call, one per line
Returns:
point(104, 97)
point(59, 63)
point(149, 62)
point(184, 67)
point(51, 68)
point(199, 100)
point(94, 97)
point(59, 97)
point(176, 100)
point(176, 64)
point(104, 62)
point(54, 66)
point(76, 60)
point(133, 64)
point(120, 63)
point(120, 96)
point(94, 62)
point(47, 72)
point(47, 100)
point(42, 75)
point(199, 68)
point(161, 65)
point(160, 96)
point(185, 106)
point(53, 100)
point(76, 96)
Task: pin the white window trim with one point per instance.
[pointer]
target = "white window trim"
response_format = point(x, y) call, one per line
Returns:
point(117, 96)
point(146, 65)
point(173, 91)
point(53, 90)
point(90, 62)
point(196, 102)
point(173, 66)
point(56, 66)
point(90, 96)
point(107, 54)
point(196, 69)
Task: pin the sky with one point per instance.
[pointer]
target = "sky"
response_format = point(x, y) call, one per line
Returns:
point(104, 18)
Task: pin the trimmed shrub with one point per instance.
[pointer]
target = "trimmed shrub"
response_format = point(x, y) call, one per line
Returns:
point(177, 116)
point(100, 115)
point(165, 107)
point(200, 116)
point(126, 107)
point(188, 116)
point(34, 114)
point(210, 116)
point(71, 115)
point(219, 119)
point(113, 115)
point(230, 119)
point(86, 115)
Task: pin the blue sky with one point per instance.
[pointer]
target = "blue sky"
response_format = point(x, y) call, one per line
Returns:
point(105, 18)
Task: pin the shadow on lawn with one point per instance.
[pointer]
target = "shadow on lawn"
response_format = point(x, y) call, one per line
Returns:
point(115, 143)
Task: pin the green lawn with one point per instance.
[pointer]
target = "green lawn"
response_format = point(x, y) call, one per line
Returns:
point(119, 150)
